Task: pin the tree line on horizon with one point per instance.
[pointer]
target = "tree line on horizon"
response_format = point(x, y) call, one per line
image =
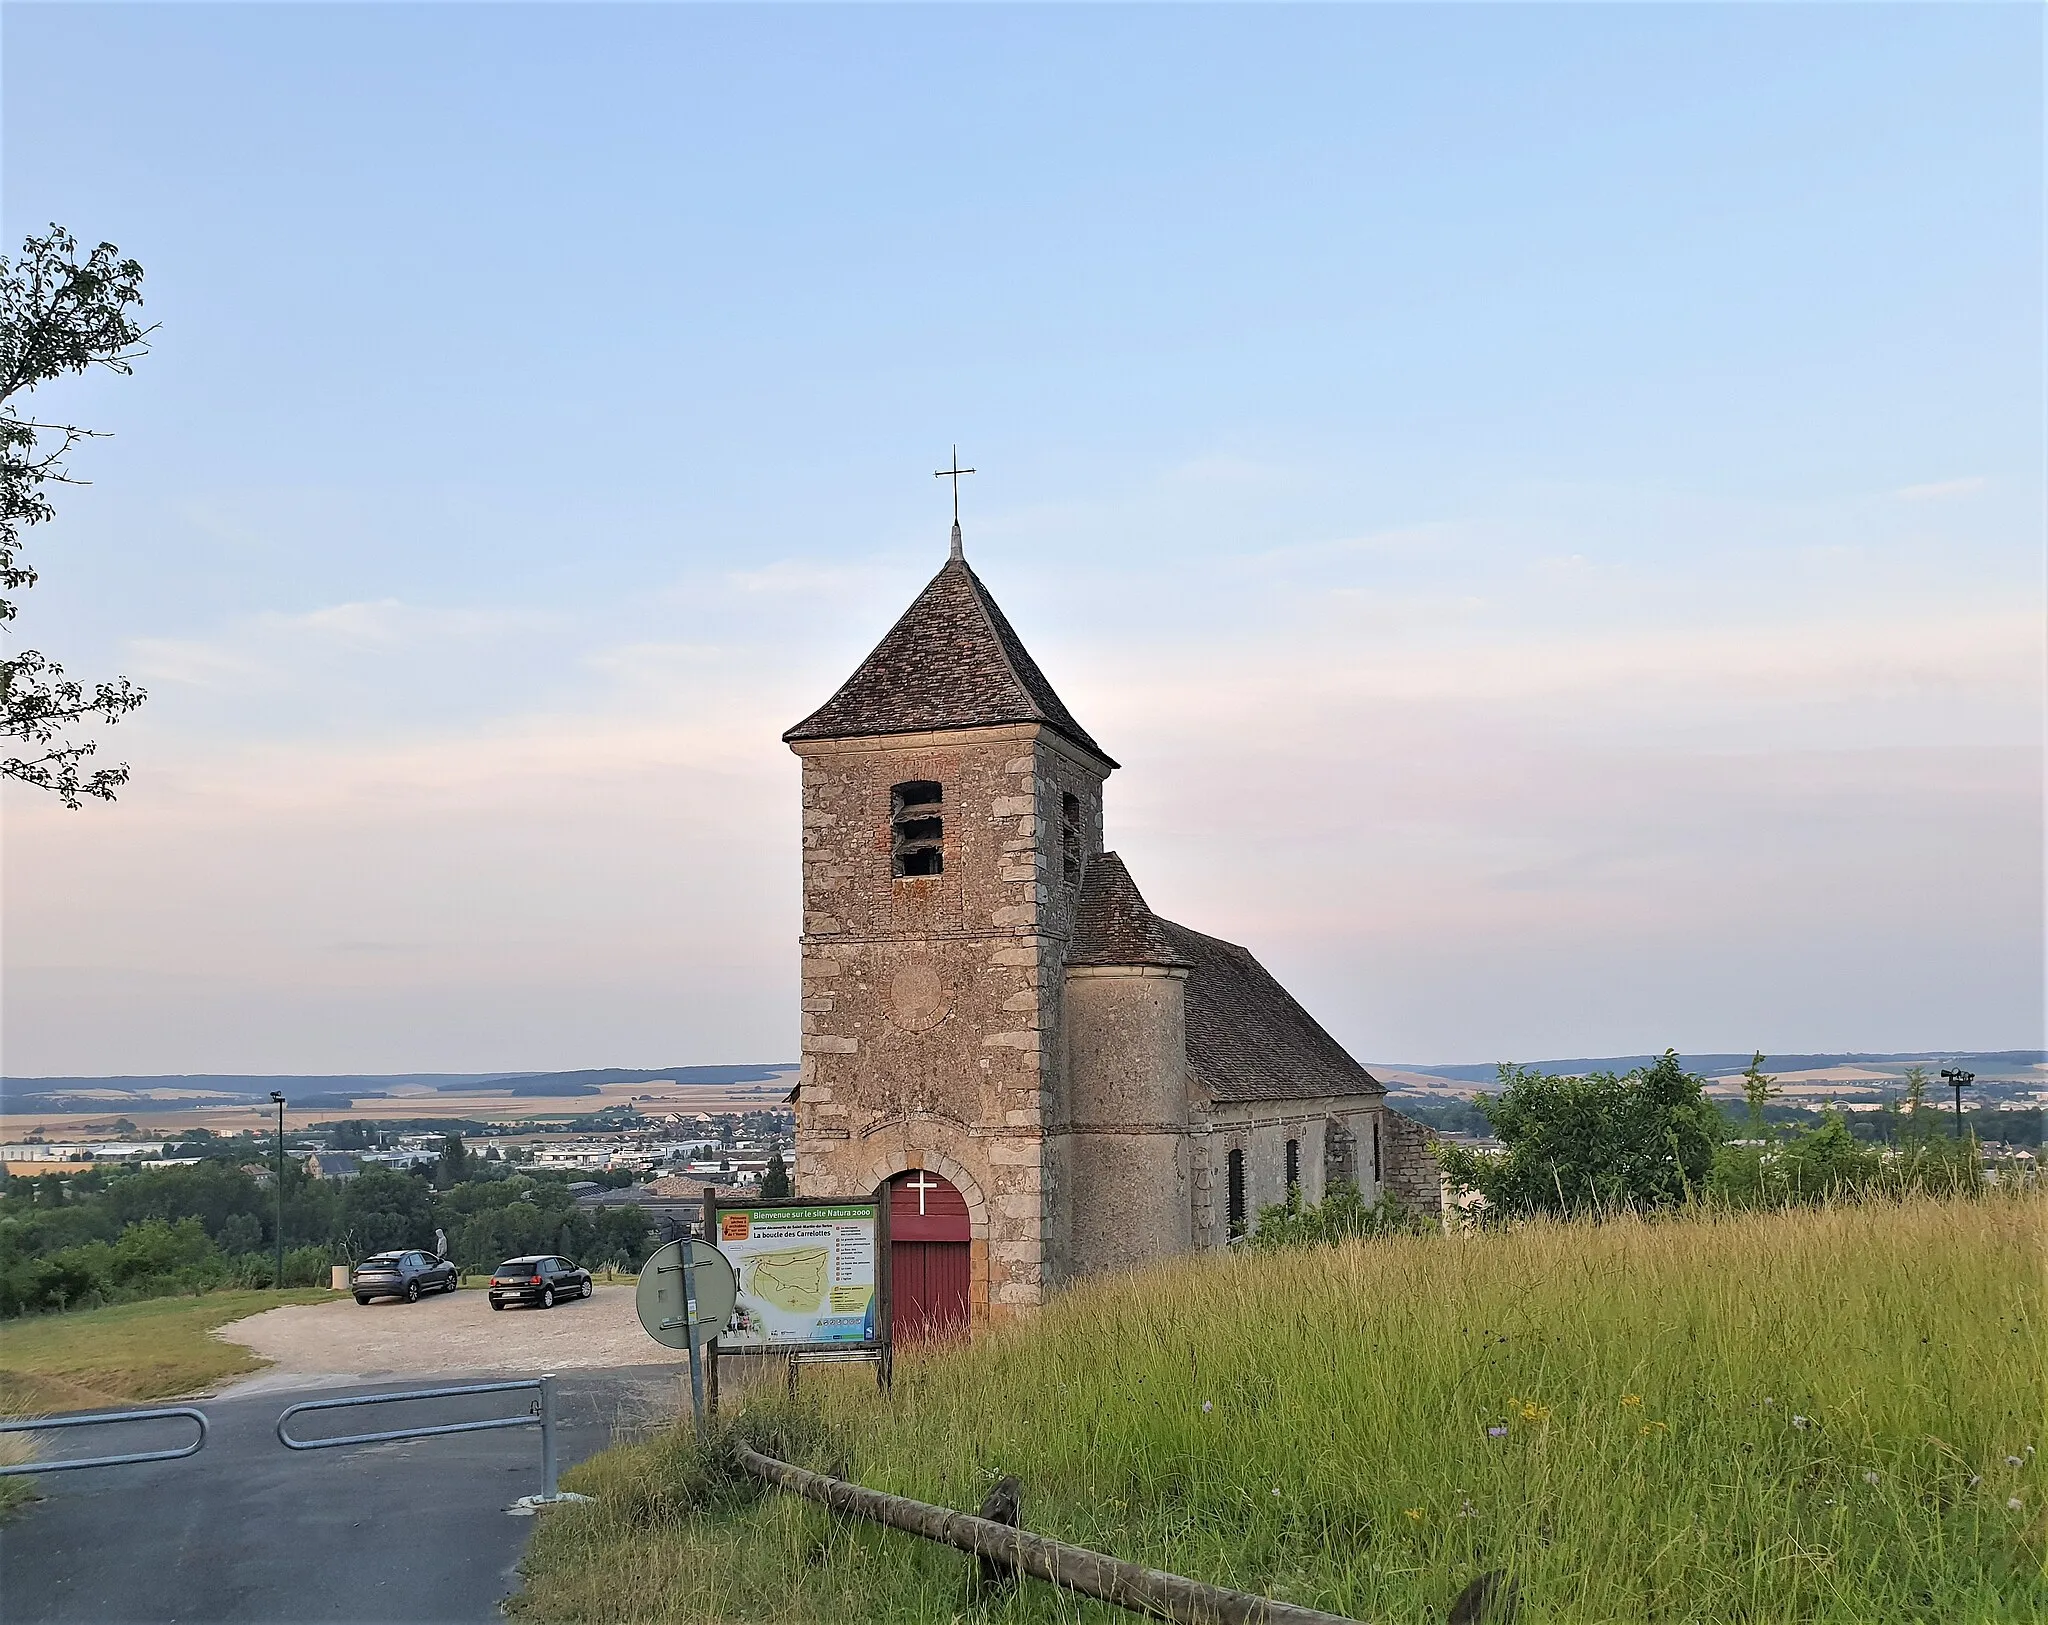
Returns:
point(113, 1235)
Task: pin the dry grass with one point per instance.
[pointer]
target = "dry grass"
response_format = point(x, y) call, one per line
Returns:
point(133, 1351)
point(1800, 1417)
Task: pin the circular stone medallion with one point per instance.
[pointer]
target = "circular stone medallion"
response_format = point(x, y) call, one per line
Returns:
point(917, 997)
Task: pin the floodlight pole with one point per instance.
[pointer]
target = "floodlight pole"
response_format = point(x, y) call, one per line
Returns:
point(274, 1095)
point(1958, 1080)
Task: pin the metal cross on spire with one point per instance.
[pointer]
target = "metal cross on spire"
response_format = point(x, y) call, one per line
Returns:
point(953, 473)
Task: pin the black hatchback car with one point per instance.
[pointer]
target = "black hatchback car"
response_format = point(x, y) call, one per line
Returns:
point(543, 1280)
point(401, 1275)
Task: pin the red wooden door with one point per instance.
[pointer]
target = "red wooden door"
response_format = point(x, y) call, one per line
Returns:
point(929, 1267)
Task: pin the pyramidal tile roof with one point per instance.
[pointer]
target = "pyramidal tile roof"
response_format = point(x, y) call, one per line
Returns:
point(1247, 1038)
point(1112, 925)
point(952, 661)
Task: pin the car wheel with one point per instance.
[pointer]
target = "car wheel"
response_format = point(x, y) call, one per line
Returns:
point(589, 1287)
point(365, 1302)
point(547, 1297)
point(449, 1285)
point(495, 1304)
point(412, 1292)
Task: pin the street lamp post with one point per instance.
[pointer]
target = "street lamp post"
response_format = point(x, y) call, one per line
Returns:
point(1958, 1080)
point(274, 1095)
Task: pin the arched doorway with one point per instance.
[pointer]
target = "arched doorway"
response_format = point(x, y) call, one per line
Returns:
point(929, 1258)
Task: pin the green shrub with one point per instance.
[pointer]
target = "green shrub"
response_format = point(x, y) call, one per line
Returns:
point(1342, 1215)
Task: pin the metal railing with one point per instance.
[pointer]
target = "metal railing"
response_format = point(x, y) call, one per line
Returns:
point(542, 1416)
point(103, 1418)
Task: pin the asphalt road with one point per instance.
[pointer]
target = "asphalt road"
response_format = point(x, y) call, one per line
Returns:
point(246, 1530)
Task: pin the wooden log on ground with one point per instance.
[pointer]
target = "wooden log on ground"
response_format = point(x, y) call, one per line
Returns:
point(1109, 1579)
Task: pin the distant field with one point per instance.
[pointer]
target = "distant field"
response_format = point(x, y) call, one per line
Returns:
point(1803, 1417)
point(413, 1101)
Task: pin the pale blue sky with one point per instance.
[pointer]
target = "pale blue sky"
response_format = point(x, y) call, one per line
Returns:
point(1545, 503)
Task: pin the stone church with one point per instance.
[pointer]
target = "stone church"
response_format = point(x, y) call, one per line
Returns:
point(1049, 1078)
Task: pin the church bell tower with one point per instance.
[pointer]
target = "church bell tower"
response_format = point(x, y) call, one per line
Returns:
point(951, 807)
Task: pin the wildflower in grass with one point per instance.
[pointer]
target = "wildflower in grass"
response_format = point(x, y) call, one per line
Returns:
point(1870, 1479)
point(1634, 1401)
point(2014, 1503)
point(1466, 1509)
point(2014, 1461)
point(1976, 1479)
point(1498, 1431)
point(1414, 1513)
point(1654, 1427)
point(1530, 1410)
point(1276, 1492)
point(1802, 1422)
point(1207, 1407)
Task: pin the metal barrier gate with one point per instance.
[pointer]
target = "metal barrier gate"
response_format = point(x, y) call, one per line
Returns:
point(103, 1418)
point(541, 1416)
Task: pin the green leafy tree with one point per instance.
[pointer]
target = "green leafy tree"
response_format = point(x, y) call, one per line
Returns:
point(775, 1179)
point(1597, 1143)
point(1918, 1120)
point(59, 315)
point(382, 1210)
point(1825, 1161)
point(1758, 1089)
point(452, 1168)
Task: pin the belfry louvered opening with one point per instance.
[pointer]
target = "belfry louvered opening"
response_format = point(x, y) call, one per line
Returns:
point(917, 834)
point(1070, 838)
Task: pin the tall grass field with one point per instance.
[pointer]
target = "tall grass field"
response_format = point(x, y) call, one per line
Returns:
point(1820, 1415)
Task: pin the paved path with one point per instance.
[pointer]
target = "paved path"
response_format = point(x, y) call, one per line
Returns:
point(322, 1344)
point(249, 1531)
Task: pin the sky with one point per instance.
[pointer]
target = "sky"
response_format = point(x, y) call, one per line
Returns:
point(1546, 505)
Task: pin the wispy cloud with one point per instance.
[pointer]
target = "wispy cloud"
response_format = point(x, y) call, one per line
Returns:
point(386, 622)
point(1940, 490)
point(192, 662)
point(802, 577)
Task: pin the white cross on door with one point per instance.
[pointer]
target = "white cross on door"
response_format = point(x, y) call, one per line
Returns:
point(924, 1181)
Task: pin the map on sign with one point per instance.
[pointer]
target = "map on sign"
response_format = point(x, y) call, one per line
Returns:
point(806, 1274)
point(793, 1280)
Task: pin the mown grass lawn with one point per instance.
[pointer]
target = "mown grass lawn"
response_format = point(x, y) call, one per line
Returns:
point(93, 1358)
point(132, 1351)
point(1830, 1415)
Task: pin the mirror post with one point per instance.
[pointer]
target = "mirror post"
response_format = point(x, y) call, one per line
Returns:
point(278, 1281)
point(688, 1249)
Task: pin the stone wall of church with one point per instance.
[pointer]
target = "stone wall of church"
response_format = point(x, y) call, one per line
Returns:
point(1130, 1195)
point(930, 1002)
point(1262, 1130)
point(1412, 1175)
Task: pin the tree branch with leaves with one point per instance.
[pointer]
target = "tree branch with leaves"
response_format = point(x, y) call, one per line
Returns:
point(59, 315)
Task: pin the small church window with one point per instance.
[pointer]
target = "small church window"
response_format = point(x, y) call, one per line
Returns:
point(1375, 1150)
point(1070, 838)
point(1293, 1165)
point(1235, 1165)
point(916, 829)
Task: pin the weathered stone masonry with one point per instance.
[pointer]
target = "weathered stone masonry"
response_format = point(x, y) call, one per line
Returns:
point(1017, 1020)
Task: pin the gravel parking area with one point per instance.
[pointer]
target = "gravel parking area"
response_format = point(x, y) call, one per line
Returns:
point(317, 1344)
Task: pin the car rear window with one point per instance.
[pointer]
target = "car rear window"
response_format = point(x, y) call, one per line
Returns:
point(516, 1272)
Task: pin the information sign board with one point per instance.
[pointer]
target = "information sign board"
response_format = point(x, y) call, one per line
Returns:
point(807, 1274)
